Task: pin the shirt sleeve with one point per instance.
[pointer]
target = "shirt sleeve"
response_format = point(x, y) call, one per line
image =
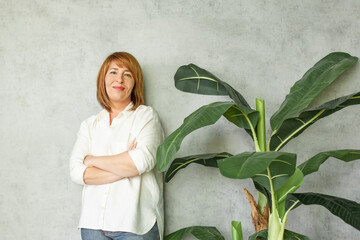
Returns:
point(80, 150)
point(150, 136)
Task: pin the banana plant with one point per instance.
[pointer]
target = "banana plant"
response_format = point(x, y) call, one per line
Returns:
point(274, 173)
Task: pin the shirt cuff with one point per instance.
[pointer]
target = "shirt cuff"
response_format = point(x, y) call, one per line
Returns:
point(138, 159)
point(78, 174)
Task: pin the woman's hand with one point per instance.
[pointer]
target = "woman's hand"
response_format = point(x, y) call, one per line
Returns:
point(88, 159)
point(133, 145)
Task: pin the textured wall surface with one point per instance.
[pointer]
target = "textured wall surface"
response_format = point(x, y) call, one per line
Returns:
point(50, 52)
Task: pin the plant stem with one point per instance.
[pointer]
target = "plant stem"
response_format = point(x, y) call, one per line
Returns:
point(236, 230)
point(285, 216)
point(273, 201)
point(275, 231)
point(260, 129)
point(261, 134)
point(257, 148)
point(256, 143)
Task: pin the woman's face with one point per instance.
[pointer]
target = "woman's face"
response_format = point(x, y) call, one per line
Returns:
point(119, 83)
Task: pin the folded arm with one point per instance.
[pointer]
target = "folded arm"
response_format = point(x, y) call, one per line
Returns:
point(108, 169)
point(81, 173)
point(118, 165)
point(96, 176)
point(141, 156)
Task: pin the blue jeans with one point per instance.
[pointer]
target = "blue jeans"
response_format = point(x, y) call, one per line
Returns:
point(91, 234)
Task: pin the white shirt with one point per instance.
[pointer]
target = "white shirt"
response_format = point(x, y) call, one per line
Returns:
point(130, 204)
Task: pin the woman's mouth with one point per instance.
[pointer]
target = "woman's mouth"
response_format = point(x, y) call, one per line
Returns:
point(119, 88)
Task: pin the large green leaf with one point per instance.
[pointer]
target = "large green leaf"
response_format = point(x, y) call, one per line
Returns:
point(315, 80)
point(347, 210)
point(193, 79)
point(292, 127)
point(249, 164)
point(280, 170)
point(291, 185)
point(314, 163)
point(204, 116)
point(243, 117)
point(209, 160)
point(288, 235)
point(200, 232)
point(291, 202)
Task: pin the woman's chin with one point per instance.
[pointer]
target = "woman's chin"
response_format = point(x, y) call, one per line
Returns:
point(120, 101)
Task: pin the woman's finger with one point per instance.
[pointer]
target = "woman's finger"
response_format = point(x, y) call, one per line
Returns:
point(133, 145)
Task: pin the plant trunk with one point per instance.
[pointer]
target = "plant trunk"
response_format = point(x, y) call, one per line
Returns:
point(276, 227)
point(259, 220)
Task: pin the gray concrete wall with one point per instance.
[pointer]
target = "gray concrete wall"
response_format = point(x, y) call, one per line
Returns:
point(50, 52)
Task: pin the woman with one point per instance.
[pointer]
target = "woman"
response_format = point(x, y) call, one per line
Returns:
point(114, 158)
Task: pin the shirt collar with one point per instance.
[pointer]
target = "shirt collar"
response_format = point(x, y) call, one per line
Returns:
point(104, 114)
point(126, 111)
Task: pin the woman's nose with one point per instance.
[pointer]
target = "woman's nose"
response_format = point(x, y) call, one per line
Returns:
point(120, 79)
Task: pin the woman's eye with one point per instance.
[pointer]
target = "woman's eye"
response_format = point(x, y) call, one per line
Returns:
point(112, 72)
point(127, 75)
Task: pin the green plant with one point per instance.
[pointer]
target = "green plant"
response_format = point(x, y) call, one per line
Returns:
point(274, 173)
